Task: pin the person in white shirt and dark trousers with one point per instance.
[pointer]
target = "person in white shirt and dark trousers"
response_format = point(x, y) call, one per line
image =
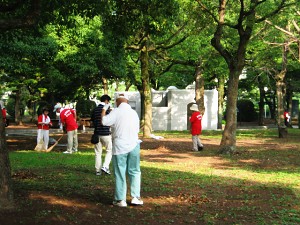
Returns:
point(104, 135)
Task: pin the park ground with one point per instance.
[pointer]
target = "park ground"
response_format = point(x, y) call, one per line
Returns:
point(257, 185)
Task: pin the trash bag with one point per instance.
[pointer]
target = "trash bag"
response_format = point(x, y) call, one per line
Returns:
point(40, 146)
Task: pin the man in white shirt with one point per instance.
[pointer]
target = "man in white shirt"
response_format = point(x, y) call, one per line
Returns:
point(125, 125)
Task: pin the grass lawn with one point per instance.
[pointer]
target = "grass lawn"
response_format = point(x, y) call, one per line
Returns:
point(258, 185)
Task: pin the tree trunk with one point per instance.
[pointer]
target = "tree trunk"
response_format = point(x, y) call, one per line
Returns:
point(6, 192)
point(17, 108)
point(117, 85)
point(280, 92)
point(199, 89)
point(142, 119)
point(289, 103)
point(280, 88)
point(261, 103)
point(144, 57)
point(105, 85)
point(221, 88)
point(228, 142)
point(127, 86)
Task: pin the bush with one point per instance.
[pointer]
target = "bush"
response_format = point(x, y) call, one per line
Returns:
point(10, 108)
point(246, 111)
point(84, 108)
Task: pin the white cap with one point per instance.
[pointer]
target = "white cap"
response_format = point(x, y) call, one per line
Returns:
point(57, 106)
point(122, 95)
point(194, 107)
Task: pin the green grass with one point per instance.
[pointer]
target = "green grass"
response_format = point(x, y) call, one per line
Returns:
point(258, 186)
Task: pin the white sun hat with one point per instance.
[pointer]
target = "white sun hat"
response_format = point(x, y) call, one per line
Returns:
point(194, 107)
point(57, 106)
point(122, 95)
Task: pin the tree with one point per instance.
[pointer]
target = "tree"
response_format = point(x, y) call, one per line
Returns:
point(146, 31)
point(290, 34)
point(6, 192)
point(234, 26)
point(18, 14)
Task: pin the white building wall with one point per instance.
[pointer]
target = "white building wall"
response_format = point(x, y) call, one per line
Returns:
point(170, 111)
point(177, 102)
point(134, 100)
point(210, 117)
point(160, 120)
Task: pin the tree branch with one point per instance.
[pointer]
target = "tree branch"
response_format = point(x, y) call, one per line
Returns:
point(281, 6)
point(173, 44)
point(281, 29)
point(177, 61)
point(30, 19)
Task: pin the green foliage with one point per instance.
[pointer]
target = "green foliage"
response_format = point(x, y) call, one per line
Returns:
point(41, 105)
point(84, 108)
point(246, 111)
point(10, 107)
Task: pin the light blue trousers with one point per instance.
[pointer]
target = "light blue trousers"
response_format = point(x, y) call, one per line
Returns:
point(127, 163)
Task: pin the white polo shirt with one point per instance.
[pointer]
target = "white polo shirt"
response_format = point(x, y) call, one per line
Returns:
point(125, 125)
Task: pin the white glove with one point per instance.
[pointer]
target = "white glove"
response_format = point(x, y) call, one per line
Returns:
point(106, 106)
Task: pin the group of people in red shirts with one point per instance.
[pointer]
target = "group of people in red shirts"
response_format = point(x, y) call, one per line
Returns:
point(67, 118)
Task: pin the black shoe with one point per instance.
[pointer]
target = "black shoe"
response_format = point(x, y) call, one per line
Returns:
point(200, 148)
point(105, 170)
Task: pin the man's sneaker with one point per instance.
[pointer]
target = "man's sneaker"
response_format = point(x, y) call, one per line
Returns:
point(67, 152)
point(75, 151)
point(200, 148)
point(137, 201)
point(105, 170)
point(194, 150)
point(120, 203)
point(98, 173)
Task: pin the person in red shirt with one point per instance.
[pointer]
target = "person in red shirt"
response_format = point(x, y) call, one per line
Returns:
point(286, 118)
point(44, 124)
point(4, 116)
point(196, 128)
point(68, 120)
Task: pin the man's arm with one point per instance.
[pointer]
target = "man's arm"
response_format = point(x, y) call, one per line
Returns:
point(108, 119)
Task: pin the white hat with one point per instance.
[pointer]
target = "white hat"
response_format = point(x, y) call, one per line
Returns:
point(122, 95)
point(194, 107)
point(57, 106)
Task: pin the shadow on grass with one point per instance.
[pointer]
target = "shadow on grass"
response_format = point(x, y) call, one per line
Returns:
point(62, 189)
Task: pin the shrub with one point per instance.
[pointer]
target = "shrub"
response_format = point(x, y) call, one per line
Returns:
point(84, 108)
point(246, 111)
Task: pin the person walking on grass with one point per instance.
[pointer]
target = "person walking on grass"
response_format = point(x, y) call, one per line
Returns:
point(196, 127)
point(126, 150)
point(104, 135)
point(68, 120)
point(44, 124)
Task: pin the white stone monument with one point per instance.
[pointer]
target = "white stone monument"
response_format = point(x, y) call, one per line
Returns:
point(170, 108)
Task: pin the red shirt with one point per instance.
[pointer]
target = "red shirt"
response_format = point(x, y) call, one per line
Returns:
point(4, 113)
point(196, 126)
point(68, 117)
point(45, 126)
point(286, 115)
